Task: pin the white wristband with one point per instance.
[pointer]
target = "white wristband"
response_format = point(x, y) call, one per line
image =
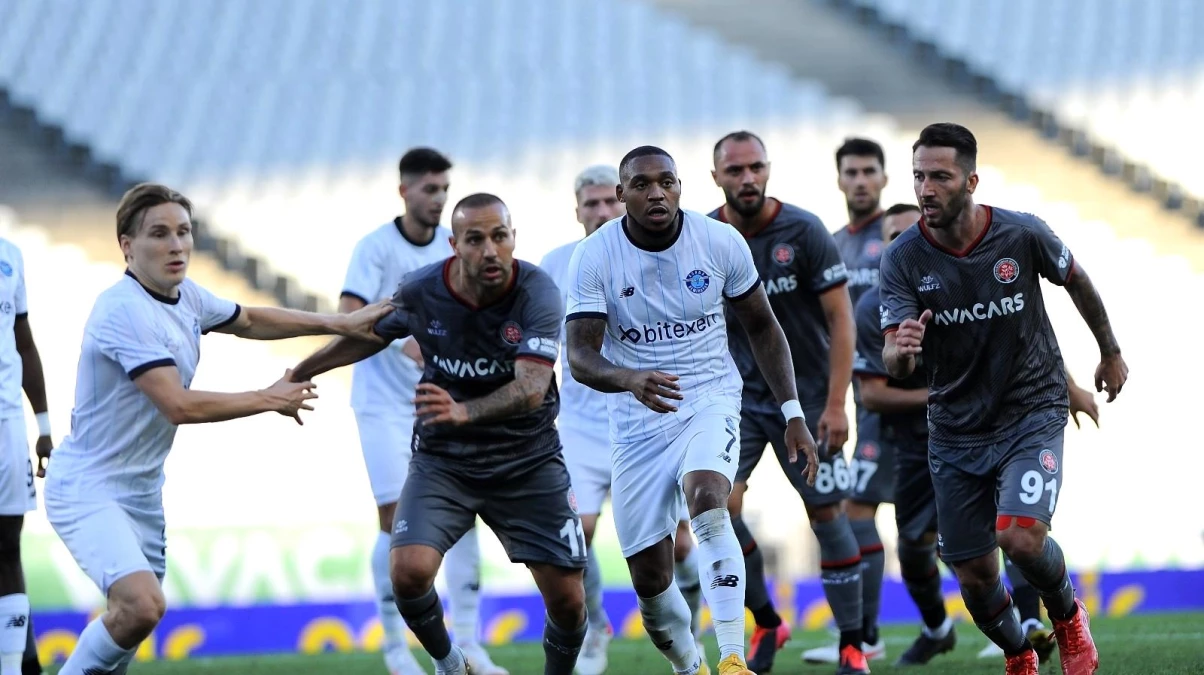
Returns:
point(43, 424)
point(792, 409)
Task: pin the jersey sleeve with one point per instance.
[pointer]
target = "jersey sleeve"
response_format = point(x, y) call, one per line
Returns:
point(396, 324)
point(364, 273)
point(1053, 257)
point(19, 299)
point(214, 312)
point(128, 336)
point(898, 298)
point(868, 359)
point(742, 277)
point(586, 292)
point(821, 258)
point(542, 318)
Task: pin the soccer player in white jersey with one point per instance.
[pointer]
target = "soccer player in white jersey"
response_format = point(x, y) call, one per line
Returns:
point(20, 368)
point(140, 351)
point(646, 316)
point(379, 262)
point(583, 426)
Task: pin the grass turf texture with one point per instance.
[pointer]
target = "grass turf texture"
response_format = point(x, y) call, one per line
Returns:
point(1163, 644)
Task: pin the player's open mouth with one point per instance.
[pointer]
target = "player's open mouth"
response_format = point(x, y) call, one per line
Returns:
point(931, 211)
point(658, 213)
point(492, 271)
point(176, 265)
point(749, 195)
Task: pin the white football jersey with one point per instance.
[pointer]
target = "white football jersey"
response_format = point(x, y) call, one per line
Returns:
point(580, 406)
point(664, 311)
point(12, 305)
point(386, 381)
point(119, 440)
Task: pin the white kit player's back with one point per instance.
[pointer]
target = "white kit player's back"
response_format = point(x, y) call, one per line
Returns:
point(664, 311)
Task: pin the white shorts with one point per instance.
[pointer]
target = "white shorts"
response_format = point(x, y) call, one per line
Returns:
point(110, 540)
point(587, 455)
point(388, 444)
point(18, 495)
point(647, 491)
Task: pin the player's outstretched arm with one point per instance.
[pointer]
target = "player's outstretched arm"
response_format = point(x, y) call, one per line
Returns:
point(275, 323)
point(1112, 371)
point(339, 352)
point(163, 387)
point(34, 383)
point(521, 395)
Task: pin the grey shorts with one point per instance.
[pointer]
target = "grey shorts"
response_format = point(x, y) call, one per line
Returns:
point(532, 511)
point(833, 481)
point(915, 502)
point(873, 465)
point(1018, 477)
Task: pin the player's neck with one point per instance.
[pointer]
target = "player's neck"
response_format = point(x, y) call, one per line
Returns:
point(748, 226)
point(964, 231)
point(650, 240)
point(859, 219)
point(146, 282)
point(415, 232)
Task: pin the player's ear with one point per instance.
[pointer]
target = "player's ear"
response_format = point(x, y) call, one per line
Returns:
point(619, 193)
point(885, 179)
point(452, 241)
point(972, 182)
point(715, 177)
point(401, 190)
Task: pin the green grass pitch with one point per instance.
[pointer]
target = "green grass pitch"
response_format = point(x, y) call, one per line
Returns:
point(1164, 644)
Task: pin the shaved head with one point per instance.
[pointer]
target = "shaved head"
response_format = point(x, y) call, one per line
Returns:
point(462, 214)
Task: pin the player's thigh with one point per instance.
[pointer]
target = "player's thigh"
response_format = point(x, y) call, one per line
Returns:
point(534, 515)
point(587, 456)
point(707, 448)
point(437, 506)
point(387, 444)
point(872, 469)
point(104, 540)
point(1030, 472)
point(645, 494)
point(965, 506)
point(18, 495)
point(833, 480)
point(915, 503)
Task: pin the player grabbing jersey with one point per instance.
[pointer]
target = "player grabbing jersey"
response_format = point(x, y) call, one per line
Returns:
point(20, 369)
point(140, 350)
point(378, 264)
point(646, 317)
point(486, 441)
point(804, 280)
point(962, 291)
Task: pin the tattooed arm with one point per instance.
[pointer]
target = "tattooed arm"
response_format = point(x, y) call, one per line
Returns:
point(589, 367)
point(1112, 372)
point(521, 395)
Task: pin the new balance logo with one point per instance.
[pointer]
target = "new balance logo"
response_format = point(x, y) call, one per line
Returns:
point(627, 292)
point(725, 457)
point(728, 580)
point(15, 622)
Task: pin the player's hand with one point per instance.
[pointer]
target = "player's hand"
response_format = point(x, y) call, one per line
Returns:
point(436, 406)
point(799, 438)
point(43, 448)
point(289, 398)
point(1082, 401)
point(909, 337)
point(411, 349)
point(652, 387)
point(833, 428)
point(358, 324)
point(1111, 375)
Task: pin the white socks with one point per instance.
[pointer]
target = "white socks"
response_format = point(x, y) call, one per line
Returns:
point(667, 621)
point(95, 651)
point(721, 570)
point(462, 571)
point(14, 623)
point(685, 573)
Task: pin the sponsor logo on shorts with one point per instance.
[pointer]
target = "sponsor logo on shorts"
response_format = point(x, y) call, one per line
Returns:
point(546, 346)
point(1049, 461)
point(783, 254)
point(698, 281)
point(728, 580)
point(512, 334)
point(1006, 270)
point(15, 622)
point(725, 457)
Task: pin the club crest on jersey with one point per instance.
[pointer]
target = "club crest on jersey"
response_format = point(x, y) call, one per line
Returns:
point(873, 248)
point(511, 333)
point(698, 281)
point(869, 451)
point(6, 268)
point(783, 254)
point(196, 328)
point(1049, 461)
point(1006, 270)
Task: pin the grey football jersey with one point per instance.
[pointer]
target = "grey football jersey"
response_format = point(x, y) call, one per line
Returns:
point(470, 352)
point(989, 351)
point(797, 261)
point(868, 364)
point(860, 245)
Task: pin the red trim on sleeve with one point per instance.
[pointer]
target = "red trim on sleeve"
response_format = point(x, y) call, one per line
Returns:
point(539, 359)
point(1073, 265)
point(890, 330)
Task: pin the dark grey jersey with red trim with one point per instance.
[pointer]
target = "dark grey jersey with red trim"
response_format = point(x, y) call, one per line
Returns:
point(990, 352)
point(797, 260)
point(860, 245)
point(471, 351)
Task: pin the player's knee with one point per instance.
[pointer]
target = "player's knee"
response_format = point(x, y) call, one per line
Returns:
point(1022, 539)
point(978, 576)
point(861, 510)
point(411, 572)
point(824, 513)
point(567, 605)
point(706, 492)
point(137, 614)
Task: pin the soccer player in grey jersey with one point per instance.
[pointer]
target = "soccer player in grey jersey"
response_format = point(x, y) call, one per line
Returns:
point(485, 442)
point(963, 290)
point(805, 281)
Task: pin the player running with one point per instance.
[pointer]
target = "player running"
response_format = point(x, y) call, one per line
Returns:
point(140, 350)
point(20, 369)
point(486, 441)
point(650, 290)
point(804, 280)
point(378, 264)
point(962, 291)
